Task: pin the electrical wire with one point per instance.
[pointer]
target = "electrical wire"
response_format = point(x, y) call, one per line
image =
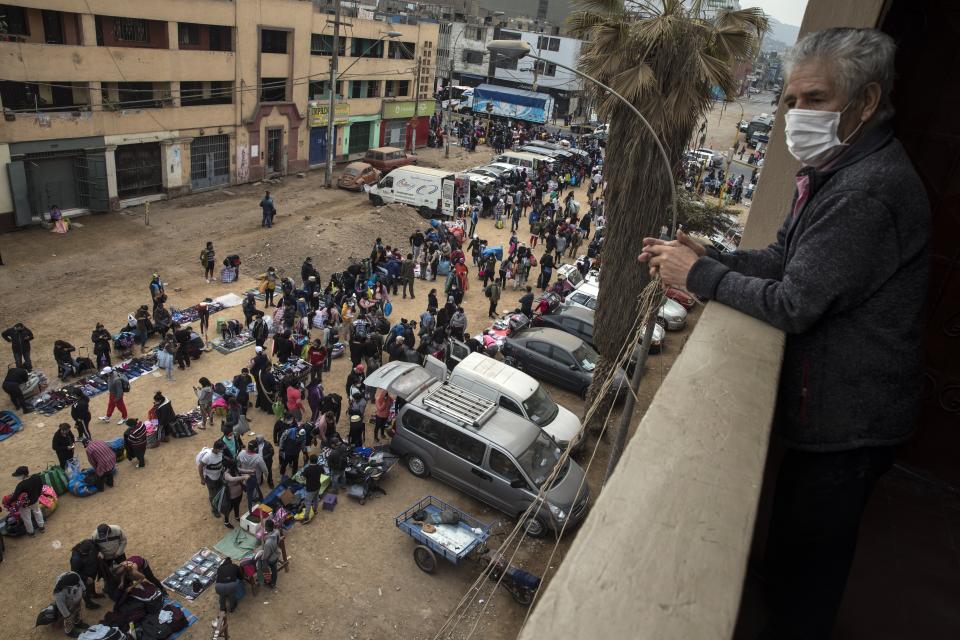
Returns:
point(626, 350)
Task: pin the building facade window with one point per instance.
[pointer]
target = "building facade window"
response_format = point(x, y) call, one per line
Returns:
point(475, 33)
point(397, 89)
point(401, 50)
point(189, 34)
point(546, 68)
point(472, 57)
point(15, 19)
point(273, 90)
point(52, 27)
point(322, 45)
point(203, 92)
point(366, 48)
point(130, 30)
point(545, 43)
point(273, 41)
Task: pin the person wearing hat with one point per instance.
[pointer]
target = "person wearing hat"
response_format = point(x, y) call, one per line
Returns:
point(135, 441)
point(307, 269)
point(111, 542)
point(63, 443)
point(357, 429)
point(312, 477)
point(210, 468)
point(27, 496)
point(115, 391)
point(103, 460)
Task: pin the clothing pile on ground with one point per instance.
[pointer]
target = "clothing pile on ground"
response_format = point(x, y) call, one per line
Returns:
point(9, 424)
point(192, 314)
point(233, 342)
point(51, 401)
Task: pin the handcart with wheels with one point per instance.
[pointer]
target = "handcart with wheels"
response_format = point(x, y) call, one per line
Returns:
point(440, 529)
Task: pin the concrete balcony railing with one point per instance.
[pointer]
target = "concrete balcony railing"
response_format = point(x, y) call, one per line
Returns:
point(51, 62)
point(80, 124)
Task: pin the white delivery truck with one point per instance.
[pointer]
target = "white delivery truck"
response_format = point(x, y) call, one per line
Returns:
point(422, 188)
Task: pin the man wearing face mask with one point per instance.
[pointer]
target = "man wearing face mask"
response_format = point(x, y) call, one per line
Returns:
point(845, 279)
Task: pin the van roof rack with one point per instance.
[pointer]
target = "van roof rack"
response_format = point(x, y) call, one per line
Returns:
point(460, 404)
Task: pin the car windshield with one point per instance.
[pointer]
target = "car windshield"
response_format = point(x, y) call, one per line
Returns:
point(539, 459)
point(586, 357)
point(540, 408)
point(351, 171)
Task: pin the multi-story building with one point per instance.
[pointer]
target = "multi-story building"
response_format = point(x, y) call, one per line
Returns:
point(112, 103)
point(544, 76)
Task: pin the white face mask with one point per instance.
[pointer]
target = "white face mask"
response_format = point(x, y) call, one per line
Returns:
point(812, 135)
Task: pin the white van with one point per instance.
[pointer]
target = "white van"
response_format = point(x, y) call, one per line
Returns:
point(422, 188)
point(515, 391)
point(524, 159)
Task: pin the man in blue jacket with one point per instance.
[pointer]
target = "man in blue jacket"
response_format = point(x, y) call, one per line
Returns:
point(845, 280)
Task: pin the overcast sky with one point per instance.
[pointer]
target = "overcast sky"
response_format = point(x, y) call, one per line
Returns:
point(786, 11)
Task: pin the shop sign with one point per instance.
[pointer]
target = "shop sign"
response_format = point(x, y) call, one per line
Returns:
point(318, 114)
point(405, 110)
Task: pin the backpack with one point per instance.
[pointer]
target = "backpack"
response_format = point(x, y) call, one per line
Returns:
point(125, 384)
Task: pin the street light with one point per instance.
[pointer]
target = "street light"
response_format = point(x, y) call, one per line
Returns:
point(517, 49)
point(334, 78)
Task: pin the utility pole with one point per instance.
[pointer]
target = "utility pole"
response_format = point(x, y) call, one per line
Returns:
point(449, 129)
point(416, 106)
point(331, 136)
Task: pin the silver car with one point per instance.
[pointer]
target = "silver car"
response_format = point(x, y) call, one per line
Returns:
point(481, 449)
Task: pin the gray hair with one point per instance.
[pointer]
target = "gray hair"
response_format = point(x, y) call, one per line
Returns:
point(859, 57)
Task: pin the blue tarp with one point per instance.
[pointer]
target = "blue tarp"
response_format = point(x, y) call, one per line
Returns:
point(508, 102)
point(497, 251)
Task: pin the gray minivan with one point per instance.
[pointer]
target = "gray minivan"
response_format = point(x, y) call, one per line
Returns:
point(481, 449)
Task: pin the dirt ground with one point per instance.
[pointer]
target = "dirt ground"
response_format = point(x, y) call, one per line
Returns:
point(352, 573)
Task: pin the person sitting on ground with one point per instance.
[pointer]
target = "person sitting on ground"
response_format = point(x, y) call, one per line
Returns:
point(27, 494)
point(68, 596)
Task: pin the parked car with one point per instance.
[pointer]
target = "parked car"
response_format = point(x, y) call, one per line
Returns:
point(555, 356)
point(758, 138)
point(682, 297)
point(385, 159)
point(484, 450)
point(671, 313)
point(579, 322)
point(357, 174)
point(708, 156)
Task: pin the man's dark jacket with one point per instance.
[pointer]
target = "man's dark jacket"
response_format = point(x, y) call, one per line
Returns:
point(846, 280)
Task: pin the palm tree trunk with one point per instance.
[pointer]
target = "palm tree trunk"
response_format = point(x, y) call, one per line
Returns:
point(637, 203)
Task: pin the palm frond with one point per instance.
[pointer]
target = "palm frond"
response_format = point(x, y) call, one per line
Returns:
point(582, 23)
point(634, 81)
point(752, 19)
point(731, 43)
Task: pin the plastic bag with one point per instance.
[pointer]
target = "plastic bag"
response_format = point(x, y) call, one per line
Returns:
point(48, 615)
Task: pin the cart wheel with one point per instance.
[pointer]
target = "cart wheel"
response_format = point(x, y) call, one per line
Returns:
point(424, 558)
point(523, 596)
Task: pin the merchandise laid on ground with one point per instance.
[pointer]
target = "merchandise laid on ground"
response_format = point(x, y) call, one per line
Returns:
point(192, 314)
point(9, 424)
point(196, 574)
point(49, 402)
point(232, 343)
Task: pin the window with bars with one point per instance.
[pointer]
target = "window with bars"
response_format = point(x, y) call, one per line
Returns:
point(130, 30)
point(366, 48)
point(401, 50)
point(189, 34)
point(215, 92)
point(15, 20)
point(322, 45)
